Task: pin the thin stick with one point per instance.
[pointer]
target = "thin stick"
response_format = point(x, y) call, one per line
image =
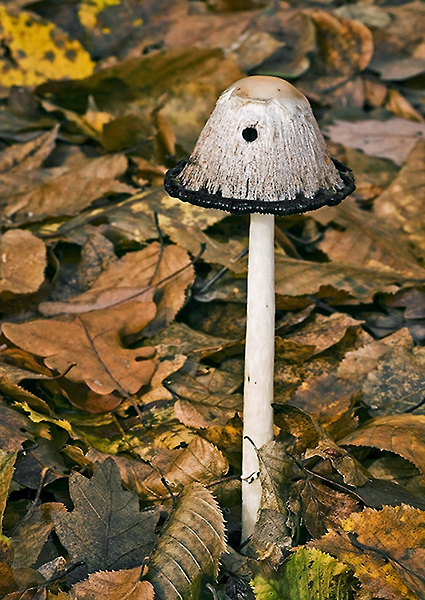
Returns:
point(259, 362)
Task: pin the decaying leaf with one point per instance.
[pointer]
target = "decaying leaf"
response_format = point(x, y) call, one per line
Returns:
point(190, 546)
point(38, 51)
point(309, 574)
point(106, 529)
point(17, 276)
point(274, 527)
point(385, 548)
point(111, 585)
point(7, 460)
point(30, 535)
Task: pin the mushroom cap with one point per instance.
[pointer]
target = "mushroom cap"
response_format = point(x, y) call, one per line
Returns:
point(261, 150)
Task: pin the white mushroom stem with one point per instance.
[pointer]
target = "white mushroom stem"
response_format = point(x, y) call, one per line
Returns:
point(259, 362)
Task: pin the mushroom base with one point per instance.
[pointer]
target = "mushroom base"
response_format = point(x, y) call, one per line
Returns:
point(299, 204)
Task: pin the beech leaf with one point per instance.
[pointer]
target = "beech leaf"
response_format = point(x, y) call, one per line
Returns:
point(18, 276)
point(190, 546)
point(402, 434)
point(106, 529)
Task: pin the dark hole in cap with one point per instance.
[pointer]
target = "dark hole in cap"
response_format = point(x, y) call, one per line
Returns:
point(249, 134)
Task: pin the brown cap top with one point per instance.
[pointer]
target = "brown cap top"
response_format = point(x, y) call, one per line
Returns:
point(261, 150)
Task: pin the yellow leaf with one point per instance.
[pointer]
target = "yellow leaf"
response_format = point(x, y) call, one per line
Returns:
point(89, 9)
point(38, 51)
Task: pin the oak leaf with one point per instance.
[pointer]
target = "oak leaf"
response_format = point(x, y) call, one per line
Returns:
point(106, 530)
point(91, 344)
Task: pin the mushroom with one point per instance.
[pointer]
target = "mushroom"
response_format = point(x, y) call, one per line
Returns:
point(260, 152)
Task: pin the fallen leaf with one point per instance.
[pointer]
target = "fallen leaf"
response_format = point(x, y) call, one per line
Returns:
point(403, 434)
point(402, 203)
point(373, 137)
point(362, 239)
point(106, 529)
point(32, 532)
point(309, 574)
point(323, 332)
point(344, 48)
point(38, 51)
point(70, 191)
point(91, 344)
point(111, 585)
point(200, 462)
point(7, 460)
point(190, 546)
point(274, 528)
point(298, 277)
point(17, 276)
point(385, 549)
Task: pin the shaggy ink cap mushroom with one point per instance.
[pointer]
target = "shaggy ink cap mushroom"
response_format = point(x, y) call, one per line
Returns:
point(261, 151)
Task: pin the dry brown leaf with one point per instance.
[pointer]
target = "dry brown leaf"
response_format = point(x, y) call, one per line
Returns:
point(92, 343)
point(69, 192)
point(299, 277)
point(19, 276)
point(20, 159)
point(402, 203)
point(323, 332)
point(200, 462)
point(110, 585)
point(327, 399)
point(368, 241)
point(344, 49)
point(190, 545)
point(400, 106)
point(392, 139)
point(402, 434)
point(136, 276)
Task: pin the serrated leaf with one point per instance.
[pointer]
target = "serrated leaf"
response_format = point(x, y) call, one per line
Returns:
point(402, 434)
point(106, 529)
point(110, 585)
point(385, 548)
point(190, 546)
point(309, 575)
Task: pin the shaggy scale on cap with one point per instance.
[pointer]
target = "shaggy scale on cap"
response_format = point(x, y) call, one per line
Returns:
point(261, 151)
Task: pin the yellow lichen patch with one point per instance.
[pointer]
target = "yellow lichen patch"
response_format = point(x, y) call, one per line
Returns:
point(38, 51)
point(89, 9)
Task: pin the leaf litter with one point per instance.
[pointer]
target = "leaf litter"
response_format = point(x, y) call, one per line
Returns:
point(123, 310)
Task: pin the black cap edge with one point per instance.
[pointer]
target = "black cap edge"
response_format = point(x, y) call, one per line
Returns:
point(297, 205)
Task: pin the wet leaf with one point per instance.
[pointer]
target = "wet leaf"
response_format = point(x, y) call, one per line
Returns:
point(111, 585)
point(401, 434)
point(38, 51)
point(106, 530)
point(91, 344)
point(190, 546)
